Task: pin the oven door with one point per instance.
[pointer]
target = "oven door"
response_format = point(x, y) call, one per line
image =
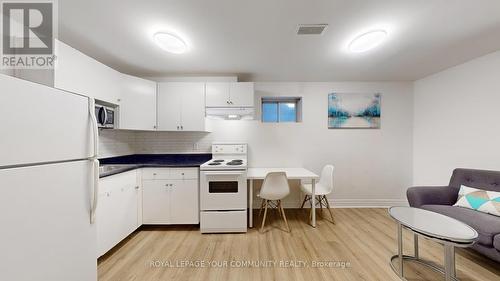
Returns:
point(223, 190)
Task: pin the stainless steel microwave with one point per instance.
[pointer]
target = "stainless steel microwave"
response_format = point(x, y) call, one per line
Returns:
point(105, 116)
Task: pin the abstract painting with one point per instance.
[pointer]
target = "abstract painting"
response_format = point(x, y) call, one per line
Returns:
point(355, 110)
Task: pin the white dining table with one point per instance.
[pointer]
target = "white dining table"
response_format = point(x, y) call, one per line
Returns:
point(292, 174)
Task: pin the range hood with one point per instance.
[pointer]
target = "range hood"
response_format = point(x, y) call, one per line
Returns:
point(230, 113)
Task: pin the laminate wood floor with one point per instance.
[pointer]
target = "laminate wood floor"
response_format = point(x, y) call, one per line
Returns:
point(357, 247)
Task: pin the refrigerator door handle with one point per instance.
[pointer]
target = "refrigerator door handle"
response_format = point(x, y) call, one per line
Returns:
point(95, 189)
point(95, 134)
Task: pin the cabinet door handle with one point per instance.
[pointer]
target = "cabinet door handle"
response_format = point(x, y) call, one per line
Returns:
point(137, 187)
point(182, 128)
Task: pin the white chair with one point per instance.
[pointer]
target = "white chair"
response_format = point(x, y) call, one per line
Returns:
point(274, 188)
point(322, 188)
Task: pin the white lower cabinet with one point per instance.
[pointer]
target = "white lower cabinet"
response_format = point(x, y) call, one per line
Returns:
point(170, 196)
point(117, 209)
point(156, 201)
point(166, 196)
point(184, 205)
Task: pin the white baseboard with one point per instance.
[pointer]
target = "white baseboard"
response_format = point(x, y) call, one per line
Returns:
point(347, 203)
point(367, 203)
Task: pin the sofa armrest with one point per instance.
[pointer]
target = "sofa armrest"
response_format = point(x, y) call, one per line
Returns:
point(426, 195)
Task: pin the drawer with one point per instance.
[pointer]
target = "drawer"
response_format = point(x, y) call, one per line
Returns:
point(223, 221)
point(156, 173)
point(169, 173)
point(183, 173)
point(117, 181)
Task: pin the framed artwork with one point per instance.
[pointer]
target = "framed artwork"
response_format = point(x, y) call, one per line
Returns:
point(346, 110)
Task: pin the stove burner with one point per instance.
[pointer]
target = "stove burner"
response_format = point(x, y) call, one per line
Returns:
point(218, 160)
point(234, 163)
point(236, 160)
point(214, 163)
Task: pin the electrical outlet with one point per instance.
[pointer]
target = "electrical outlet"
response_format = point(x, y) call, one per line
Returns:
point(195, 146)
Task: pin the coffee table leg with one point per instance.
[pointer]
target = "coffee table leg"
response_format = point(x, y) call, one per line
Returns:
point(415, 245)
point(400, 249)
point(449, 262)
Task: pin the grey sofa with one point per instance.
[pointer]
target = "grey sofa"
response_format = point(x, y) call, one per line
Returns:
point(440, 199)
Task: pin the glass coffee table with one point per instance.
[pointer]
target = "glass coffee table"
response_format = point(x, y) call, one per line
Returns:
point(442, 229)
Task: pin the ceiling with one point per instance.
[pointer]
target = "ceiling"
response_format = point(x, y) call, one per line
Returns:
point(257, 40)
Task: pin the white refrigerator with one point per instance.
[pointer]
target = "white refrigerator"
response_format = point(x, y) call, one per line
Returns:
point(48, 183)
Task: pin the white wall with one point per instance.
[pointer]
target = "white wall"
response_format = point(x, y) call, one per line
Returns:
point(457, 120)
point(373, 166)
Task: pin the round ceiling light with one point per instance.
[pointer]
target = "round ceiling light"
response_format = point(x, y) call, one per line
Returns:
point(170, 42)
point(367, 41)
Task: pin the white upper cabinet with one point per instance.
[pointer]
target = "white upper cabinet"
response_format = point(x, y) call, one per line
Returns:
point(181, 106)
point(193, 108)
point(81, 74)
point(241, 94)
point(137, 104)
point(217, 94)
point(229, 94)
point(169, 106)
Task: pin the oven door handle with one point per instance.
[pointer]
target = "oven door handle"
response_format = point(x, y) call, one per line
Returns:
point(223, 173)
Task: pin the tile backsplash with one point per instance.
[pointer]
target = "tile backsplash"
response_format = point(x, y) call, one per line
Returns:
point(116, 143)
point(172, 142)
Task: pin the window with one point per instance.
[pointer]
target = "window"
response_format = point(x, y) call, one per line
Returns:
point(281, 109)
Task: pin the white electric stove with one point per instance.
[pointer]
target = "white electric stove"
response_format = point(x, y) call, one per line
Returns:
point(223, 189)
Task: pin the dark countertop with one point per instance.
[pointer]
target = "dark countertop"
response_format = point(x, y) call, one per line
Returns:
point(135, 161)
